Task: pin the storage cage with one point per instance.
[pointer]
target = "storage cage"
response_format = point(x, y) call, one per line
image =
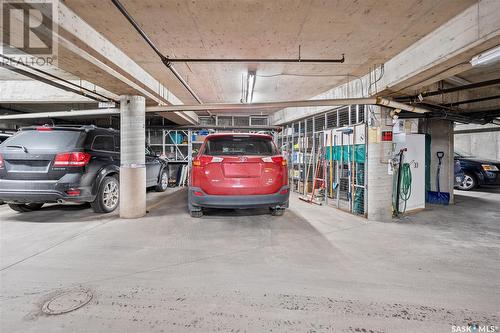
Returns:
point(326, 155)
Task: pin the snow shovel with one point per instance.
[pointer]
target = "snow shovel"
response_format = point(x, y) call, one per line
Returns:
point(438, 197)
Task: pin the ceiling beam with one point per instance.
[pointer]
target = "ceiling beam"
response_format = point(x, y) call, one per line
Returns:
point(231, 107)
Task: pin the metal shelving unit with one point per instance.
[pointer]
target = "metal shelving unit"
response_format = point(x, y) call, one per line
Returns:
point(169, 147)
point(165, 142)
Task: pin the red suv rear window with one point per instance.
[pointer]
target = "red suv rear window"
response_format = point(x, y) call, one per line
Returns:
point(240, 145)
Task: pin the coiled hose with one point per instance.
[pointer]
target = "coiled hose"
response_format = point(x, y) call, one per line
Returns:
point(405, 188)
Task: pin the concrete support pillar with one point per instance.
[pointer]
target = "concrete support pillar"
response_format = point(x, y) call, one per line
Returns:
point(379, 152)
point(132, 157)
point(441, 136)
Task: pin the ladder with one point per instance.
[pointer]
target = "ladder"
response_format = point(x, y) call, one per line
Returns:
point(320, 161)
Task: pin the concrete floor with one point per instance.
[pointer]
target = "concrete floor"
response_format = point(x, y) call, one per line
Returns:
point(315, 269)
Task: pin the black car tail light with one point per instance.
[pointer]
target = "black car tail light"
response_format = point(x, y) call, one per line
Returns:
point(73, 192)
point(74, 159)
point(44, 128)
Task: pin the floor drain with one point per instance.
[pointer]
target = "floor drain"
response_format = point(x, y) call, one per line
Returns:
point(67, 301)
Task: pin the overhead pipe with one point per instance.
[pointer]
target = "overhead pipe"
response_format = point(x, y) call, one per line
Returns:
point(453, 89)
point(165, 60)
point(247, 60)
point(464, 87)
point(480, 130)
point(474, 117)
point(250, 60)
point(474, 100)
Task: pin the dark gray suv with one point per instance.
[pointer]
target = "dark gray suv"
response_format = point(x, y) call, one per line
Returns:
point(45, 164)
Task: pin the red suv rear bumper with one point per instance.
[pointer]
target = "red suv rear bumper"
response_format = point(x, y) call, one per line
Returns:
point(198, 199)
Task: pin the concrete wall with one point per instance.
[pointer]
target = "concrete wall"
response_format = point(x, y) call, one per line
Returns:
point(485, 144)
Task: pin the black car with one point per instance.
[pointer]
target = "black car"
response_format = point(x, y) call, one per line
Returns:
point(477, 172)
point(45, 164)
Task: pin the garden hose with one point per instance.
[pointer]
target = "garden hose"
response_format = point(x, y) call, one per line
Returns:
point(405, 189)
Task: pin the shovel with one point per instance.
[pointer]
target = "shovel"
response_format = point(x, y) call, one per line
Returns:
point(438, 197)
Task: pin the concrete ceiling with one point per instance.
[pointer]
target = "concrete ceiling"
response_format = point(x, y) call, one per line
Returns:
point(369, 32)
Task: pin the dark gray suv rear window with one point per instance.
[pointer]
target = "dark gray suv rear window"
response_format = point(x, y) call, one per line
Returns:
point(51, 140)
point(240, 145)
point(103, 143)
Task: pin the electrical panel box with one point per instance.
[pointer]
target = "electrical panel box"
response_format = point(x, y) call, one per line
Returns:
point(415, 156)
point(333, 137)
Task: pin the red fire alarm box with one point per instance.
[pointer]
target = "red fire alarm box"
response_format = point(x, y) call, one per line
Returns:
point(386, 135)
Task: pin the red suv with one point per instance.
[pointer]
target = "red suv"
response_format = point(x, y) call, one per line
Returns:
point(238, 171)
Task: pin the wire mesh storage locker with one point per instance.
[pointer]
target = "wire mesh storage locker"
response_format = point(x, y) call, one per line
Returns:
point(329, 148)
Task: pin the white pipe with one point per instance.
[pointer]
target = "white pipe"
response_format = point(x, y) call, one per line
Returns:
point(61, 114)
point(397, 105)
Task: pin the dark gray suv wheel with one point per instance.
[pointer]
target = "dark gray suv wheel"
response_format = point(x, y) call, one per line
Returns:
point(163, 183)
point(108, 196)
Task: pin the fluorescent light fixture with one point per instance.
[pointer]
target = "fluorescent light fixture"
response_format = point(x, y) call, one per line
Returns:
point(250, 87)
point(487, 57)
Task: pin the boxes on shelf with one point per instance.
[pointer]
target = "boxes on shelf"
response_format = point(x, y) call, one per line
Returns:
point(198, 138)
point(176, 137)
point(297, 157)
point(301, 187)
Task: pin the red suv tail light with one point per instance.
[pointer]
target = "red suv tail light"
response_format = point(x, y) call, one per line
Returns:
point(75, 159)
point(275, 159)
point(204, 160)
point(1, 161)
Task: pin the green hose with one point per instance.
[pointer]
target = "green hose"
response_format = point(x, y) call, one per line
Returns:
point(405, 189)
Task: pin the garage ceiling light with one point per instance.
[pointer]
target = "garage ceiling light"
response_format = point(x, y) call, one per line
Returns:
point(250, 87)
point(487, 57)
